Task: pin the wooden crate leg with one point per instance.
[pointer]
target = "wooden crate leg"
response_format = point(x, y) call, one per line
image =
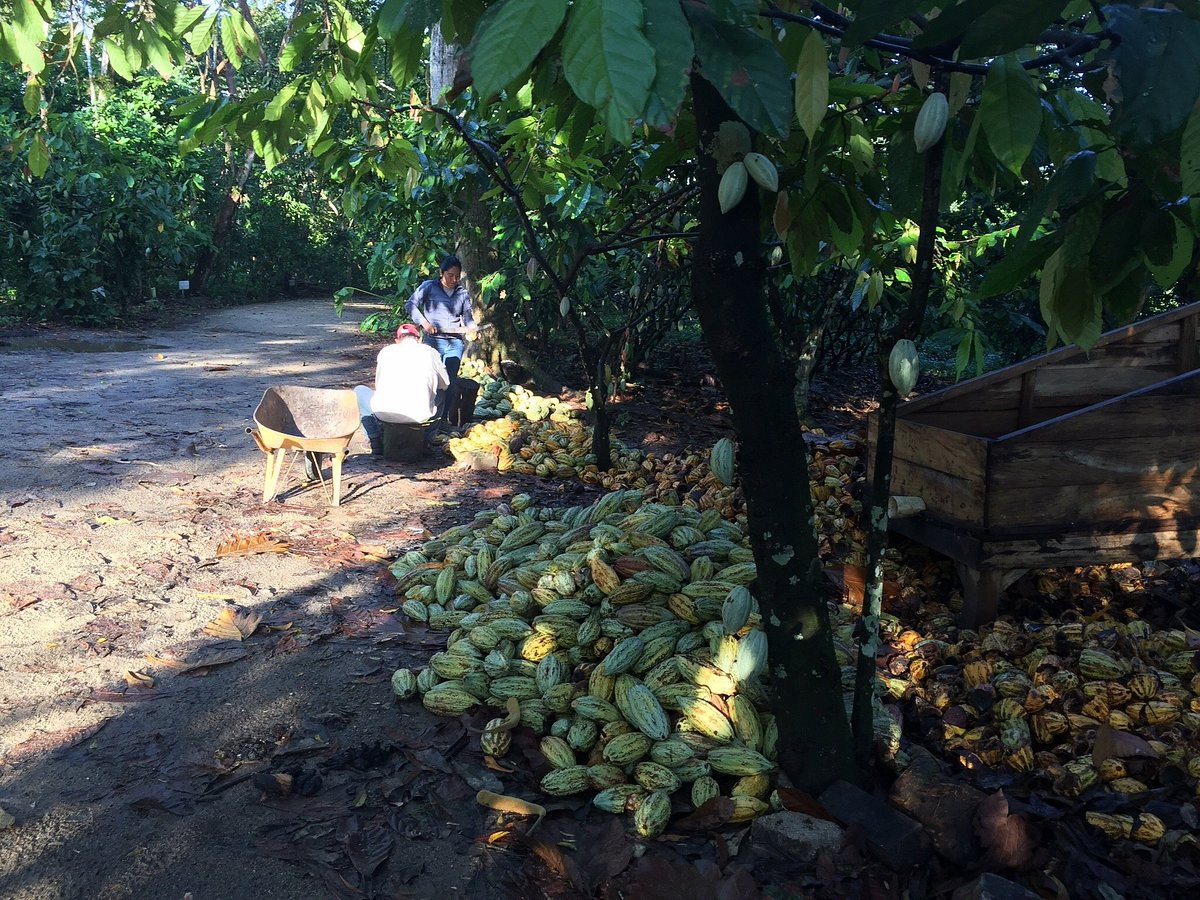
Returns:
point(981, 592)
point(337, 477)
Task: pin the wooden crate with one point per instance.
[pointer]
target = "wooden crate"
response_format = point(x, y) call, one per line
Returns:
point(1070, 458)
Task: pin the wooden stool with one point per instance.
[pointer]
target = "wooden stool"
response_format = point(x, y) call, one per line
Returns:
point(404, 441)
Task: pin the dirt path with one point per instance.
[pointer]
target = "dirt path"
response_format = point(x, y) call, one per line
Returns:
point(135, 777)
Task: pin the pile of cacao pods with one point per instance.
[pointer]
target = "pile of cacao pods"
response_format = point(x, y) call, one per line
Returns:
point(626, 635)
point(498, 397)
point(1031, 697)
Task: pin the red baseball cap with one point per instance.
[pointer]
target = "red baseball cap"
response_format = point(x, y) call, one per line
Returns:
point(409, 329)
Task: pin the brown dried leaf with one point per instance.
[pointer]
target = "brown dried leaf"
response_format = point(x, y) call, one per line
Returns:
point(203, 658)
point(1112, 743)
point(232, 625)
point(50, 741)
point(139, 679)
point(799, 801)
point(708, 816)
point(246, 546)
point(1005, 837)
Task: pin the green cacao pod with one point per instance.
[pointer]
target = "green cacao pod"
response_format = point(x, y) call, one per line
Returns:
point(904, 366)
point(733, 186)
point(931, 121)
point(721, 463)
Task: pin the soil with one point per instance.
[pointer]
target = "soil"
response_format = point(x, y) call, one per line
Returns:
point(137, 751)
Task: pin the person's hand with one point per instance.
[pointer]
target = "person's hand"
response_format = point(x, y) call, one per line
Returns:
point(431, 329)
point(471, 335)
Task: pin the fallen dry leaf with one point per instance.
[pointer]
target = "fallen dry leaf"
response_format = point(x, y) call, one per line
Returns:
point(259, 543)
point(1005, 837)
point(50, 741)
point(6, 819)
point(232, 625)
point(139, 679)
point(204, 658)
point(1112, 743)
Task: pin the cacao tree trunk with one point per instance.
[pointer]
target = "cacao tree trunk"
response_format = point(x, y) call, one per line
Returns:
point(729, 296)
point(867, 632)
point(222, 223)
point(443, 62)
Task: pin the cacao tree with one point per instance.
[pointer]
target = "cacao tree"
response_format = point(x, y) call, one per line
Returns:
point(1081, 116)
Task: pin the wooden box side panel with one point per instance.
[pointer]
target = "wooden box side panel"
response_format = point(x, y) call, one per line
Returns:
point(1055, 384)
point(1127, 463)
point(945, 469)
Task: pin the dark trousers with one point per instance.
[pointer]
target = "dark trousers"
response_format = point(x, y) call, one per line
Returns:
point(450, 349)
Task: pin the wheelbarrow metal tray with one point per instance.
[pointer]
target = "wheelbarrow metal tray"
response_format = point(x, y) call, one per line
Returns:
point(315, 420)
point(304, 420)
point(1071, 458)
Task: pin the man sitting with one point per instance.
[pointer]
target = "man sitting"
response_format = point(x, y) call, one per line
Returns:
point(408, 377)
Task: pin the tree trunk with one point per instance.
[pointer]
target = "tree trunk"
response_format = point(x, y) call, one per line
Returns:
point(443, 62)
point(222, 224)
point(728, 290)
point(908, 327)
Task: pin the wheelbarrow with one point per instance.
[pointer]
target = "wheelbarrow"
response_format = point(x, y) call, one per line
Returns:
point(304, 420)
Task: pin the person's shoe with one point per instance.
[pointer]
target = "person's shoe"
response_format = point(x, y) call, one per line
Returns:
point(312, 467)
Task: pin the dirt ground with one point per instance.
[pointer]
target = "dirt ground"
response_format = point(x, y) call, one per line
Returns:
point(138, 754)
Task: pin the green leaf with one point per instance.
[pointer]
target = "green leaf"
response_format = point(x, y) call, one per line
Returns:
point(1155, 66)
point(1015, 267)
point(581, 124)
point(33, 96)
point(1189, 156)
point(158, 52)
point(415, 15)
point(1167, 245)
point(746, 70)
point(607, 60)
point(874, 16)
point(812, 84)
point(22, 46)
point(39, 156)
point(1012, 113)
point(945, 30)
point(1047, 292)
point(277, 105)
point(1008, 26)
point(118, 60)
point(229, 40)
point(200, 35)
point(510, 36)
point(668, 32)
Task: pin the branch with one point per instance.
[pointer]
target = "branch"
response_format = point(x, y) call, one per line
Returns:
point(902, 47)
point(644, 239)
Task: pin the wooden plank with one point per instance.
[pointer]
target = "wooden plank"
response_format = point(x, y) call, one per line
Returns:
point(984, 423)
point(1167, 408)
point(946, 497)
point(1163, 327)
point(1074, 506)
point(959, 544)
point(1082, 549)
point(1082, 386)
point(1028, 395)
point(961, 455)
point(1163, 354)
point(1149, 459)
point(1187, 345)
